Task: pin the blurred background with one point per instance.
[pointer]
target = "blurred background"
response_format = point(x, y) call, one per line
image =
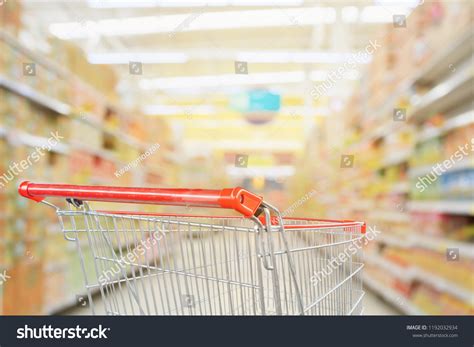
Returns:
point(333, 109)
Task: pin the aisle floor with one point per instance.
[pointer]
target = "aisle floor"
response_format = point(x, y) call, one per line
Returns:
point(373, 305)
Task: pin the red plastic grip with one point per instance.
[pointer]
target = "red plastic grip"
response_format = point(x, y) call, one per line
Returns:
point(237, 198)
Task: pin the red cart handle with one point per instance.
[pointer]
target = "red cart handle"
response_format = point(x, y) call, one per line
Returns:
point(237, 198)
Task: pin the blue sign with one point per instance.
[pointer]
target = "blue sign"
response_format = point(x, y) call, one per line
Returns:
point(256, 101)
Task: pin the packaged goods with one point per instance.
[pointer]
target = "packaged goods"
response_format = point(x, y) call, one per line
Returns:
point(10, 16)
point(458, 184)
point(41, 276)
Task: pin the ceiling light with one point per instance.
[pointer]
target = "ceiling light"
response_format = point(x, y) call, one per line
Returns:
point(228, 80)
point(198, 20)
point(223, 80)
point(189, 3)
point(121, 3)
point(382, 14)
point(350, 14)
point(273, 57)
point(172, 110)
point(295, 57)
point(256, 171)
point(406, 3)
point(146, 58)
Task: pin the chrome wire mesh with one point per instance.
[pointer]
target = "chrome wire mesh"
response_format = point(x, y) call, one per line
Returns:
point(184, 265)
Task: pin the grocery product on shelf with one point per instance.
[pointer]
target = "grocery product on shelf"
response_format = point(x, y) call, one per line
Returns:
point(396, 161)
point(436, 302)
point(91, 149)
point(10, 16)
point(457, 185)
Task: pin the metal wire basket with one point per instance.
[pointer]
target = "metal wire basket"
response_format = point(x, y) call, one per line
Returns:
point(163, 264)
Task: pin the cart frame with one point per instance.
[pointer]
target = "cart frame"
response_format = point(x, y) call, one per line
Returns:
point(172, 264)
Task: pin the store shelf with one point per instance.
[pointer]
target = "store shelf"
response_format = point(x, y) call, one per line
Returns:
point(457, 87)
point(440, 88)
point(392, 296)
point(445, 95)
point(395, 241)
point(36, 57)
point(363, 205)
point(452, 123)
point(443, 206)
point(405, 274)
point(52, 66)
point(40, 102)
point(39, 141)
point(18, 137)
point(412, 273)
point(390, 216)
point(444, 285)
point(102, 153)
point(54, 267)
point(3, 131)
point(438, 244)
point(91, 120)
point(396, 158)
point(34, 96)
point(66, 110)
point(402, 187)
point(454, 53)
point(51, 103)
point(418, 171)
point(466, 250)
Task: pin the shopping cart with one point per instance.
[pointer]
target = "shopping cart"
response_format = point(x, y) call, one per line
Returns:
point(257, 263)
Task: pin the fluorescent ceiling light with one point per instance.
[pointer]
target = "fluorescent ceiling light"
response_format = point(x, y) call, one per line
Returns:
point(226, 80)
point(273, 57)
point(406, 3)
point(244, 144)
point(144, 57)
point(350, 14)
point(171, 110)
point(323, 75)
point(382, 14)
point(256, 171)
point(121, 3)
point(223, 80)
point(189, 3)
point(318, 75)
point(295, 57)
point(196, 21)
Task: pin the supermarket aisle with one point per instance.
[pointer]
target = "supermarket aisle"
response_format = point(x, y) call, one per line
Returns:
point(374, 305)
point(389, 144)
